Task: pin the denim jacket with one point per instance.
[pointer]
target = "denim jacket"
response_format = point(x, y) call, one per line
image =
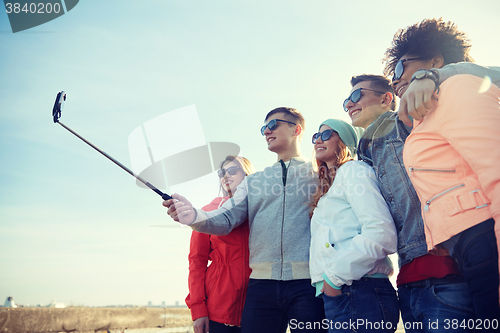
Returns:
point(381, 146)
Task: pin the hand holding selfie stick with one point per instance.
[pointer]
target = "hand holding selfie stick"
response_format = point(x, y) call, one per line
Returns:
point(56, 114)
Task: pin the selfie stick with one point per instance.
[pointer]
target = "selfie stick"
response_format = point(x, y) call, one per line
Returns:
point(56, 114)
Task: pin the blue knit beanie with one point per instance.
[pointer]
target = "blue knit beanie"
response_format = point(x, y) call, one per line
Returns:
point(346, 132)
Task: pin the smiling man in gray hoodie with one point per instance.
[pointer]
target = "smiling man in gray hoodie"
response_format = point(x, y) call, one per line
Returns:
point(275, 202)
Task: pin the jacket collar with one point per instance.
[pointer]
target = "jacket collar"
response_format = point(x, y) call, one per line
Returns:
point(300, 159)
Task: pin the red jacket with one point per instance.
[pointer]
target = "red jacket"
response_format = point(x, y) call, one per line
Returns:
point(219, 290)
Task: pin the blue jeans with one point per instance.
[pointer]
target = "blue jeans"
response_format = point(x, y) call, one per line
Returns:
point(477, 258)
point(434, 308)
point(368, 305)
point(216, 327)
point(272, 305)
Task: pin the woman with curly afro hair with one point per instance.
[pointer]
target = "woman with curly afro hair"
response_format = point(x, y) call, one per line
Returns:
point(451, 156)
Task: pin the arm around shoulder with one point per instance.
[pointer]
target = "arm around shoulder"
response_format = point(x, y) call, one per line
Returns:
point(469, 68)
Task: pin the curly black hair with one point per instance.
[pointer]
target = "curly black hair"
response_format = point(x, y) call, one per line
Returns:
point(427, 39)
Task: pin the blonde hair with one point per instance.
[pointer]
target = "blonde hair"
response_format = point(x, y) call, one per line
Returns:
point(242, 162)
point(327, 175)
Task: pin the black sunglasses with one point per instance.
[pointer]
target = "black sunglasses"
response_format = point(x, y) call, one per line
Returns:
point(273, 124)
point(325, 135)
point(355, 96)
point(231, 171)
point(400, 68)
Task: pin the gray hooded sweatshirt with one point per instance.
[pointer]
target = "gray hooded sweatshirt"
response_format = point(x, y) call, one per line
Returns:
point(275, 202)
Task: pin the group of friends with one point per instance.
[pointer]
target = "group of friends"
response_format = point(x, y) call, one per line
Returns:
point(305, 244)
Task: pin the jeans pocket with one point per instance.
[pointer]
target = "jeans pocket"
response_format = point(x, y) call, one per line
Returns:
point(455, 295)
point(338, 308)
point(389, 304)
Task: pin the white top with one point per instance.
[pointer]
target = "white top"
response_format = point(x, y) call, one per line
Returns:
point(352, 230)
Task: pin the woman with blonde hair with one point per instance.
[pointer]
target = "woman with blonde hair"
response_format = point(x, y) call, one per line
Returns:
point(217, 292)
point(352, 233)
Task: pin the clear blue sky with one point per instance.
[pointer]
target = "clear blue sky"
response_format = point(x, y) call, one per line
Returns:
point(76, 228)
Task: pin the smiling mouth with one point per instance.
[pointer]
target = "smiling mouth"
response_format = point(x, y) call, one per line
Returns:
point(270, 139)
point(355, 112)
point(400, 90)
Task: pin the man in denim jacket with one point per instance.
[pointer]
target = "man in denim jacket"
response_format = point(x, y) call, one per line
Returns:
point(430, 287)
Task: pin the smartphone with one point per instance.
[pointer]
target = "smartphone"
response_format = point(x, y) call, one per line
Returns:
point(58, 105)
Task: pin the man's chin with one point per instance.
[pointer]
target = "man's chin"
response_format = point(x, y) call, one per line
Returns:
point(355, 123)
point(271, 147)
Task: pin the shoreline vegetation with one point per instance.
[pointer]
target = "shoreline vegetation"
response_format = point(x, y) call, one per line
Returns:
point(93, 319)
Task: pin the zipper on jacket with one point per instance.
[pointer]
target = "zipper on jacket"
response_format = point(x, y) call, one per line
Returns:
point(284, 171)
point(284, 175)
point(428, 202)
point(411, 169)
point(423, 219)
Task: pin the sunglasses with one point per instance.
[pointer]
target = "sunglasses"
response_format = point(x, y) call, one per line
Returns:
point(400, 68)
point(230, 171)
point(273, 124)
point(325, 135)
point(355, 96)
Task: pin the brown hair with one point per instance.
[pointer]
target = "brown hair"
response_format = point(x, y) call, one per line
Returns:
point(327, 175)
point(291, 114)
point(377, 82)
point(242, 162)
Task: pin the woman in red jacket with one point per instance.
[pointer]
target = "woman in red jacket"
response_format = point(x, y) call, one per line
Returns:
point(217, 292)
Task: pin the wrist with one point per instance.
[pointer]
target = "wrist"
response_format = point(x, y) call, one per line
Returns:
point(195, 217)
point(423, 73)
point(328, 282)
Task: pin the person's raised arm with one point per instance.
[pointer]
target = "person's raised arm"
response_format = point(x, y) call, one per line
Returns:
point(180, 209)
point(217, 222)
point(420, 98)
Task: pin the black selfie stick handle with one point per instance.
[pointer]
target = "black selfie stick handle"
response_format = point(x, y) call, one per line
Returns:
point(164, 196)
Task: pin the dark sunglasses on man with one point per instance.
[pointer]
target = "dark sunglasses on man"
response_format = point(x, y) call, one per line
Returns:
point(273, 124)
point(356, 95)
point(400, 68)
point(230, 171)
point(325, 135)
